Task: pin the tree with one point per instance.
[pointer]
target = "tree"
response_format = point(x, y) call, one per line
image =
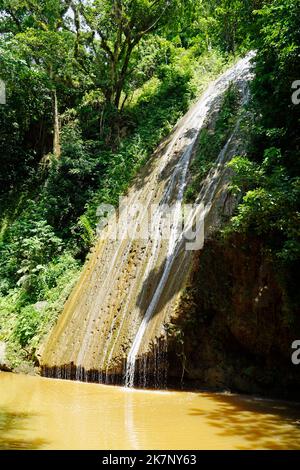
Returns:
point(39, 32)
point(270, 175)
point(115, 28)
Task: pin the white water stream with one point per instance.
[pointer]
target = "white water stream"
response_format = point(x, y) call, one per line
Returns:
point(240, 71)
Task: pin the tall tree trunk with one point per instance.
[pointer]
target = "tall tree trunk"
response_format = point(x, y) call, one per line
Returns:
point(101, 126)
point(56, 127)
point(124, 70)
point(118, 93)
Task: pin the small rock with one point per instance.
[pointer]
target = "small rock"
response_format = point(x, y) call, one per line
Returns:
point(3, 362)
point(40, 306)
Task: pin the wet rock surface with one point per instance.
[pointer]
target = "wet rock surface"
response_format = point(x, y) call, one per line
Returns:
point(237, 323)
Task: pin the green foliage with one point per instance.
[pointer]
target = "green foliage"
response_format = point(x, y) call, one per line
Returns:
point(224, 24)
point(22, 141)
point(71, 180)
point(116, 76)
point(270, 205)
point(26, 326)
point(25, 250)
point(150, 117)
point(268, 177)
point(246, 174)
point(27, 316)
point(48, 219)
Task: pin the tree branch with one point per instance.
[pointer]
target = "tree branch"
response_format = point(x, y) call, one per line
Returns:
point(14, 18)
point(153, 25)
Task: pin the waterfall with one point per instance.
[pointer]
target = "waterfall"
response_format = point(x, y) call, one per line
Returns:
point(114, 319)
point(181, 169)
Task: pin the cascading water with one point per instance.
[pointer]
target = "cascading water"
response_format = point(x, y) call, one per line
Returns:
point(176, 238)
point(181, 169)
point(113, 321)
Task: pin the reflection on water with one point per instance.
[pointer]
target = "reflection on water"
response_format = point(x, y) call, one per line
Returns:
point(37, 413)
point(9, 424)
point(261, 423)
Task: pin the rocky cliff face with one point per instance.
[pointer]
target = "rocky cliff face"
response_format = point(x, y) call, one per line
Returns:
point(112, 327)
point(218, 318)
point(236, 323)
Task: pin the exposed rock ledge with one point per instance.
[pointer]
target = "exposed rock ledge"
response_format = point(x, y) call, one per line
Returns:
point(236, 323)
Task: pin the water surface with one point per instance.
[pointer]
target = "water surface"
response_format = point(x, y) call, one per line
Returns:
point(39, 413)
